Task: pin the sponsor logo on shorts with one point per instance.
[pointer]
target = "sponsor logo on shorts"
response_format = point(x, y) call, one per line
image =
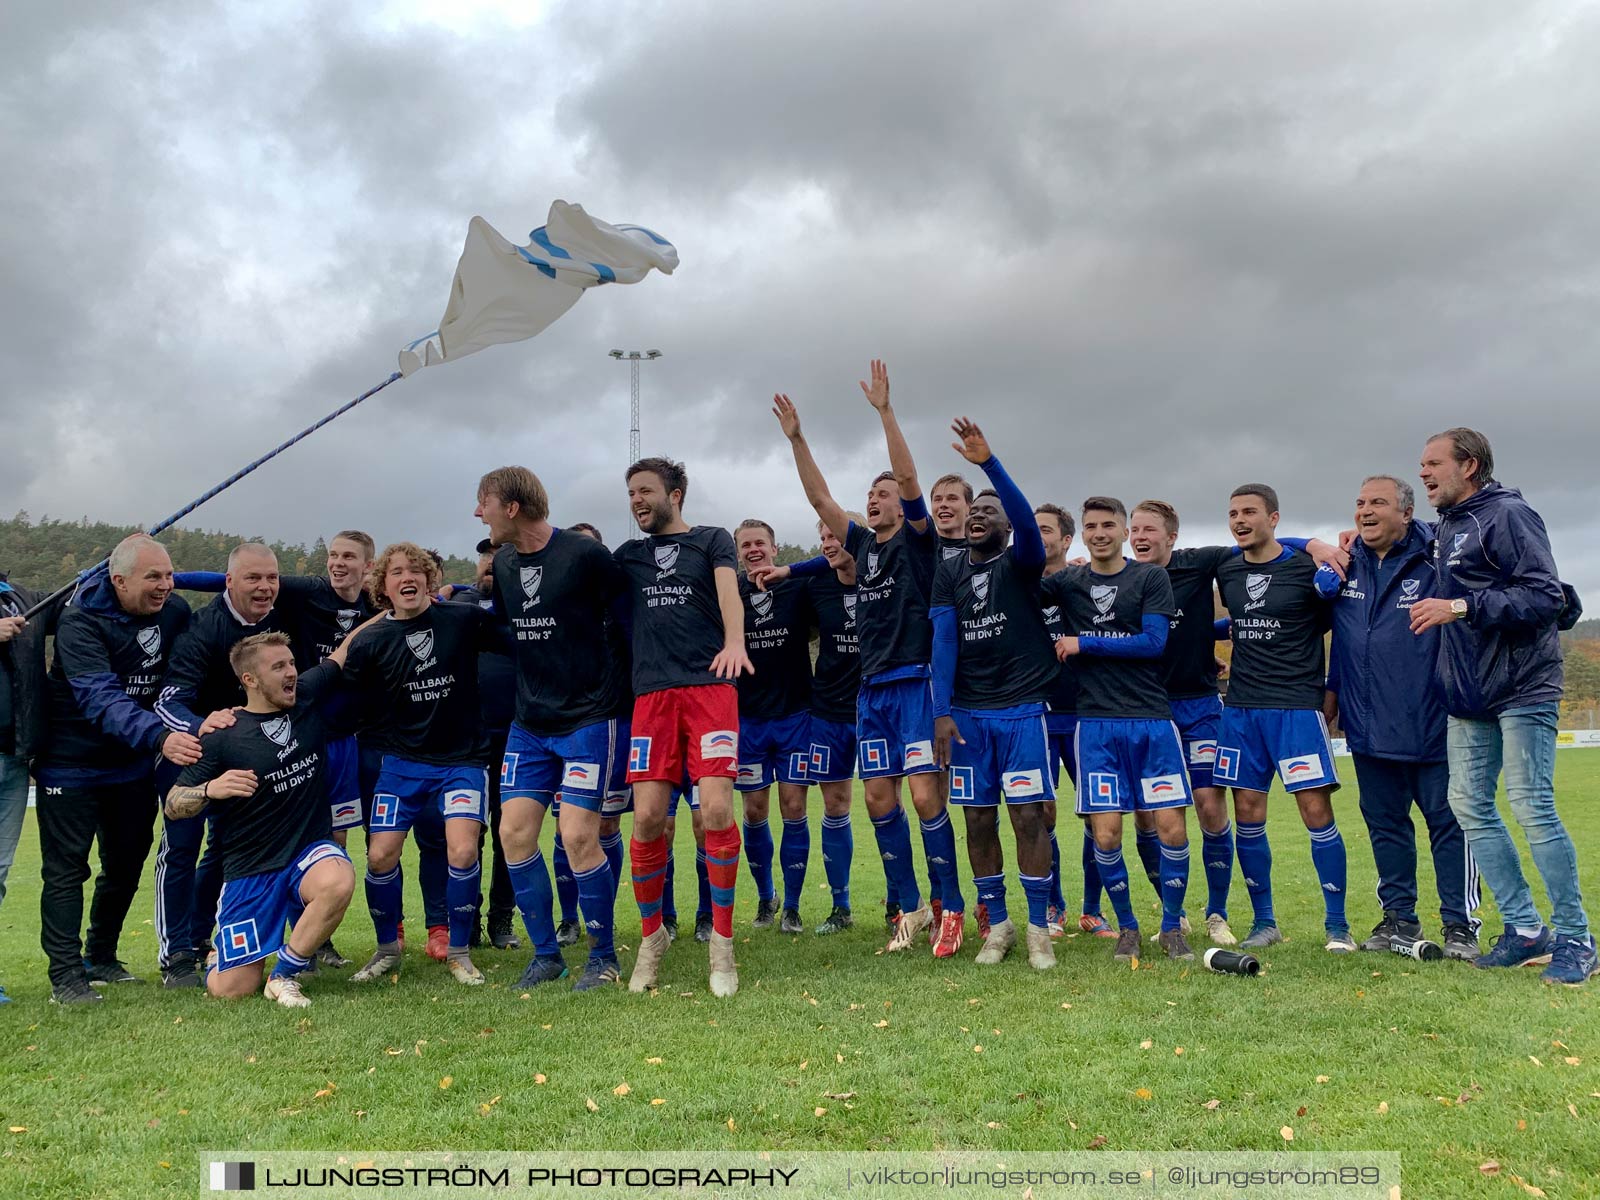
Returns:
point(874, 755)
point(240, 939)
point(348, 811)
point(750, 773)
point(1101, 789)
point(1023, 783)
point(461, 801)
point(581, 776)
point(1201, 753)
point(961, 784)
point(1302, 768)
point(918, 754)
point(799, 760)
point(821, 759)
point(719, 743)
point(384, 810)
point(1162, 789)
point(317, 853)
point(1227, 764)
point(508, 767)
point(639, 754)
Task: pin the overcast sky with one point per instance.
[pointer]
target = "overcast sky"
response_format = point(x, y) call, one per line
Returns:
point(1155, 249)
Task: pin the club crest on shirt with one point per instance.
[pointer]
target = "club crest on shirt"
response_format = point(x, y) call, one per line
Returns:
point(980, 588)
point(1457, 542)
point(872, 563)
point(1052, 613)
point(421, 644)
point(1255, 586)
point(850, 607)
point(1409, 588)
point(150, 640)
point(278, 730)
point(761, 602)
point(531, 578)
point(346, 619)
point(666, 557)
point(1104, 596)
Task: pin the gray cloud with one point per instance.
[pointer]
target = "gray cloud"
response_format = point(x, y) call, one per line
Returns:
point(1155, 251)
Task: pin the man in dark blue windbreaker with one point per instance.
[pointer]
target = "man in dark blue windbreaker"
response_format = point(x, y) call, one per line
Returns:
point(1381, 685)
point(97, 773)
point(1499, 667)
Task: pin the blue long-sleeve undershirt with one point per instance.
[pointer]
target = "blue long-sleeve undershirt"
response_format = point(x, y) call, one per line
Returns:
point(1148, 644)
point(1027, 547)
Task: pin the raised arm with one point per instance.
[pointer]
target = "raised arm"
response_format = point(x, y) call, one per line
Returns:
point(815, 486)
point(1027, 547)
point(900, 460)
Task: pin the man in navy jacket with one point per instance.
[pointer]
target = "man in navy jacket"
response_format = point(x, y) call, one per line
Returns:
point(97, 774)
point(1381, 686)
point(1499, 666)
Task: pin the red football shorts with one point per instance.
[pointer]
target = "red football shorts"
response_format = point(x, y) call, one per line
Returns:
point(687, 727)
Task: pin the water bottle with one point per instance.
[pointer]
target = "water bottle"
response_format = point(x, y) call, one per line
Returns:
point(1420, 948)
point(1229, 962)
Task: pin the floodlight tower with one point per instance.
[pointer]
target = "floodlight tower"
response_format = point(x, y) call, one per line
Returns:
point(633, 359)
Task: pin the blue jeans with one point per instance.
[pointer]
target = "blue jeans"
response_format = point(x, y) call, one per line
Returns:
point(1523, 740)
point(13, 807)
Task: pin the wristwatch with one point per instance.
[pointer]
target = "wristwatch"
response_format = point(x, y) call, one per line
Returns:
point(1459, 606)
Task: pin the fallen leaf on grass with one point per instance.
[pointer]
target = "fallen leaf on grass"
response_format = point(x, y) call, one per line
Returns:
point(1535, 1061)
point(838, 1058)
point(839, 1095)
point(994, 1125)
point(1212, 1105)
point(389, 1050)
point(1525, 1185)
point(1146, 1044)
point(819, 1111)
point(1521, 1125)
point(1573, 1109)
point(1383, 1107)
point(1177, 1050)
point(588, 1102)
point(539, 1077)
point(1322, 1079)
point(881, 1025)
point(977, 1049)
point(654, 1062)
point(656, 1101)
point(1489, 1168)
point(622, 1089)
point(1142, 1093)
point(324, 1093)
point(1286, 1134)
point(1301, 1111)
point(1571, 1061)
point(164, 1165)
point(731, 1125)
point(1098, 1141)
point(445, 1083)
point(804, 1063)
point(1064, 1004)
point(251, 1059)
point(1133, 963)
point(17, 1129)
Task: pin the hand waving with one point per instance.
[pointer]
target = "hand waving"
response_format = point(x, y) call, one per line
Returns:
point(878, 390)
point(973, 446)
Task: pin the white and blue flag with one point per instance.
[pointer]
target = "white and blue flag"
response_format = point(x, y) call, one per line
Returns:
point(505, 293)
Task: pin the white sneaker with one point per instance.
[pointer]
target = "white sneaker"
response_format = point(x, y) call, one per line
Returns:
point(285, 989)
point(1218, 932)
point(999, 942)
point(724, 971)
point(379, 965)
point(648, 961)
point(464, 971)
point(908, 927)
point(1041, 950)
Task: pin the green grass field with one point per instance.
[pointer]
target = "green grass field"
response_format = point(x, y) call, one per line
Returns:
point(1450, 1066)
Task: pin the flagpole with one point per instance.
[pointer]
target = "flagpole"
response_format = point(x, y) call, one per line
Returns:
point(227, 483)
